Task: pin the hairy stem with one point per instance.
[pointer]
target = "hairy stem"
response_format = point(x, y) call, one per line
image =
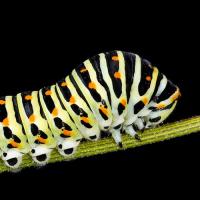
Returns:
point(85, 149)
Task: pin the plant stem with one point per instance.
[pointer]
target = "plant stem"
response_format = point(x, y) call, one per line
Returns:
point(86, 149)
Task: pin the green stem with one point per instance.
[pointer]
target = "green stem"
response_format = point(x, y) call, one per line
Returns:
point(85, 149)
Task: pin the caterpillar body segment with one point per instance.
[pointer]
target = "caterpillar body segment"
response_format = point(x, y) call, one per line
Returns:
point(63, 128)
point(112, 66)
point(95, 94)
point(13, 139)
point(113, 92)
point(39, 135)
point(78, 109)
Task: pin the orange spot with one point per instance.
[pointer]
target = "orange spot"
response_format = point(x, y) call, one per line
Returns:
point(176, 95)
point(85, 119)
point(117, 75)
point(63, 84)
point(66, 132)
point(160, 106)
point(48, 93)
point(2, 102)
point(41, 140)
point(5, 122)
point(55, 112)
point(145, 100)
point(104, 110)
point(92, 85)
point(28, 97)
point(83, 70)
point(72, 100)
point(123, 102)
point(148, 78)
point(115, 58)
point(32, 118)
point(14, 144)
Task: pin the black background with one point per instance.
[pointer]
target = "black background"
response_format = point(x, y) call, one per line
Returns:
point(41, 46)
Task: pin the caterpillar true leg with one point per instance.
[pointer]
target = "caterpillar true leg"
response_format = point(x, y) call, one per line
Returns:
point(130, 130)
point(140, 124)
point(117, 137)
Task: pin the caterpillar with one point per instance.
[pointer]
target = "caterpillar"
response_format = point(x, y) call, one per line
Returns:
point(112, 92)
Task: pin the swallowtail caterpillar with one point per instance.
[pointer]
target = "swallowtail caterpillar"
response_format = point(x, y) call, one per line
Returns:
point(113, 92)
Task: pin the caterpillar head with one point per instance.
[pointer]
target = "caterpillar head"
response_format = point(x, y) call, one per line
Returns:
point(67, 147)
point(41, 154)
point(12, 158)
point(162, 106)
point(157, 117)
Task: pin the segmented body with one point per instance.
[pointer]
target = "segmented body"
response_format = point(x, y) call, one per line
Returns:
point(113, 92)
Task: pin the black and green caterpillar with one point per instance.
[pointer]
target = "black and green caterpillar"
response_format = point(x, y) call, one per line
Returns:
point(112, 92)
